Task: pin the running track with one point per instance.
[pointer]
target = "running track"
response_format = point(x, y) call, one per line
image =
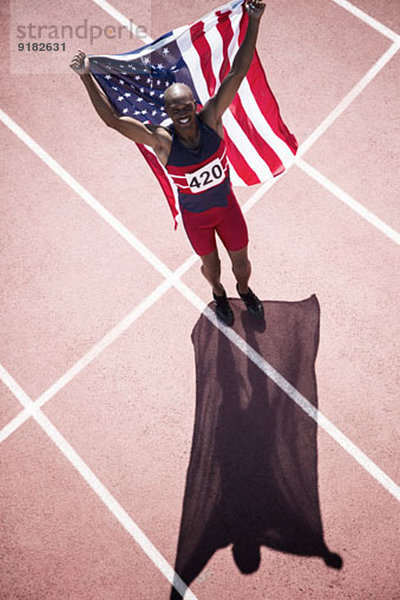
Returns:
point(99, 298)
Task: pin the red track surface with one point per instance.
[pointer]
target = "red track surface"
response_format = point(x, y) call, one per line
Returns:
point(68, 278)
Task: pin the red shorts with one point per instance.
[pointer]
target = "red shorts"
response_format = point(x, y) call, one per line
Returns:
point(227, 221)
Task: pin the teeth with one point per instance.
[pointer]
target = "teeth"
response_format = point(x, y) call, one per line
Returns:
point(183, 121)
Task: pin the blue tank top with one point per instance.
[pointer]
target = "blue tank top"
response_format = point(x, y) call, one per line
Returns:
point(201, 174)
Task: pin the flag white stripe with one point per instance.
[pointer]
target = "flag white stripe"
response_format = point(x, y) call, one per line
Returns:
point(217, 53)
point(235, 19)
point(192, 60)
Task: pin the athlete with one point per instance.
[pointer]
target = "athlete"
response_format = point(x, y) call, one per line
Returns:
point(193, 151)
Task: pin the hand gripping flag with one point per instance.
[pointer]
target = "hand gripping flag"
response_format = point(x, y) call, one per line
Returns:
point(259, 145)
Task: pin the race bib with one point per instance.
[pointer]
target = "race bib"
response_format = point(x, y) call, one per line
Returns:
point(206, 177)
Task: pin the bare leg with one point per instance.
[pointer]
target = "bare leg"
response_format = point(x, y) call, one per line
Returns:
point(211, 269)
point(241, 268)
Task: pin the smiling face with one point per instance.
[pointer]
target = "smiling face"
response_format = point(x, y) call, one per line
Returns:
point(180, 106)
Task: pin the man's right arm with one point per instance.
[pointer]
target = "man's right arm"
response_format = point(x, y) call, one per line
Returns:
point(130, 128)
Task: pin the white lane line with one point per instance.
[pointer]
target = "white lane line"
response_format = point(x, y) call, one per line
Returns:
point(363, 16)
point(15, 388)
point(99, 488)
point(123, 231)
point(15, 423)
point(262, 190)
point(85, 360)
point(349, 201)
point(348, 99)
point(128, 23)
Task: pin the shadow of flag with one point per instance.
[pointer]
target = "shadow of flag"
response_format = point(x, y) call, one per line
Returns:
point(252, 478)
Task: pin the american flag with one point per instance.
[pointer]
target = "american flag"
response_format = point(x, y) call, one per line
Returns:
point(259, 145)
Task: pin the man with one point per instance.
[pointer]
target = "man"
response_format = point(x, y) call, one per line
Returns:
point(193, 151)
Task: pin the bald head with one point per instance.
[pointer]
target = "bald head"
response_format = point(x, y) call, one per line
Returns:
point(178, 92)
point(180, 106)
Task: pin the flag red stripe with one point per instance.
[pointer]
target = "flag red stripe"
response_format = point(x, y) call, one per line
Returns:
point(226, 38)
point(203, 49)
point(263, 95)
point(273, 161)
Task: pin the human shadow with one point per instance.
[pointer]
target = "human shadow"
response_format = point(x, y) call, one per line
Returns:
point(252, 477)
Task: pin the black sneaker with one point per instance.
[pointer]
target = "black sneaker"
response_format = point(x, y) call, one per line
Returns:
point(223, 309)
point(253, 304)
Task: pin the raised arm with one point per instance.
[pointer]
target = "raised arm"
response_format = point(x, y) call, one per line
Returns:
point(130, 128)
point(218, 104)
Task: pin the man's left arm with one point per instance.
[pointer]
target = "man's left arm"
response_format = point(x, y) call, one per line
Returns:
point(227, 91)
